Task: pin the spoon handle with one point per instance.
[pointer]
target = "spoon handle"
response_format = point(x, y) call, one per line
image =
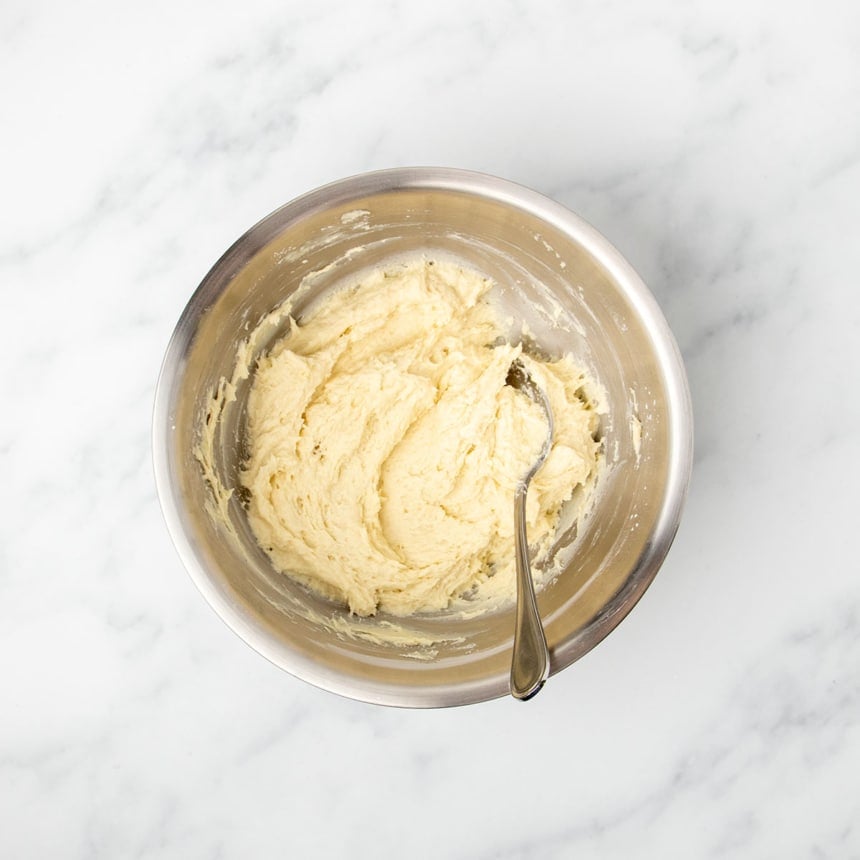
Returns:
point(530, 662)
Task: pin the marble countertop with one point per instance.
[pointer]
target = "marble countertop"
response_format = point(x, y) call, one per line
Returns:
point(717, 146)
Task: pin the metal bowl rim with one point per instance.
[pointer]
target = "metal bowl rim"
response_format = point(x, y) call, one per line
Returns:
point(355, 188)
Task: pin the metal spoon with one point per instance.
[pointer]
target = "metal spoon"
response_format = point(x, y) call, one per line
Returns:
point(530, 659)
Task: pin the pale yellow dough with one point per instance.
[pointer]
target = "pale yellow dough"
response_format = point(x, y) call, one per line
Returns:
point(385, 447)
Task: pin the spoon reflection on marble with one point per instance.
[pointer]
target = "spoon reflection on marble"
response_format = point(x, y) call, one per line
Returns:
point(530, 659)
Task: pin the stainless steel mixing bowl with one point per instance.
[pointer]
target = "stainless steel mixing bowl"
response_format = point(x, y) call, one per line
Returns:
point(549, 266)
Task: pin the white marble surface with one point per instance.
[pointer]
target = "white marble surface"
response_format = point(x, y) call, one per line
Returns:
point(716, 144)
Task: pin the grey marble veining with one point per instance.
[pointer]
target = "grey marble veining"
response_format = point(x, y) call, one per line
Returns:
point(717, 145)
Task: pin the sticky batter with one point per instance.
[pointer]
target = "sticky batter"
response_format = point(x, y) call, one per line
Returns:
point(385, 447)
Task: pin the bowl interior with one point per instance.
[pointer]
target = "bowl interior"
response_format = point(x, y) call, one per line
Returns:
point(575, 293)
